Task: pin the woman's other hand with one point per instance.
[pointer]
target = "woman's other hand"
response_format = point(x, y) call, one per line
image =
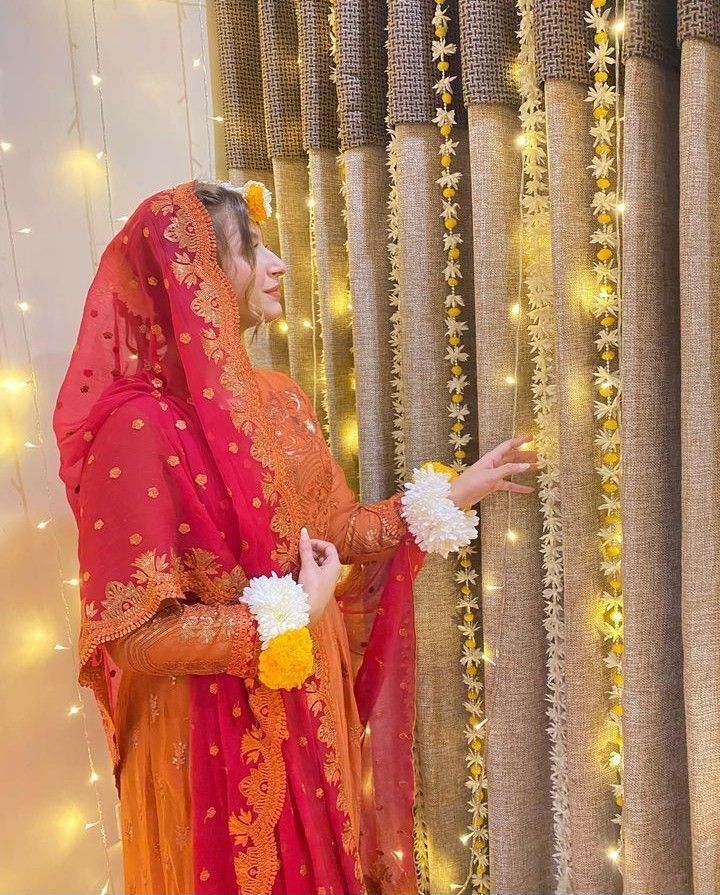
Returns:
point(319, 572)
point(489, 473)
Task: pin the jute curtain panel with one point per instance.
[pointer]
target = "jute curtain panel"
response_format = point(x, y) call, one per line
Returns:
point(568, 726)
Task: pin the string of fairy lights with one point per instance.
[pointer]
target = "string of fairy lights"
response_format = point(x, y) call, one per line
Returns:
point(15, 383)
point(478, 704)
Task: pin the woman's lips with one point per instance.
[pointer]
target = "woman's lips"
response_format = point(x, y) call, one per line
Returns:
point(274, 292)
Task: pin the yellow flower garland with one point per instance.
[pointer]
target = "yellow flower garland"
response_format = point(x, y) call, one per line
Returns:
point(605, 239)
point(468, 603)
point(287, 661)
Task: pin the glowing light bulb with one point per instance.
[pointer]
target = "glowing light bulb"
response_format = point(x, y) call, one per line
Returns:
point(31, 444)
point(105, 889)
point(60, 646)
point(74, 710)
point(24, 306)
point(43, 525)
point(90, 825)
point(489, 588)
point(521, 140)
point(621, 207)
point(615, 760)
point(13, 384)
point(283, 326)
point(94, 777)
point(196, 62)
point(307, 324)
point(24, 230)
point(466, 838)
point(617, 617)
point(100, 154)
point(73, 582)
point(510, 379)
point(6, 147)
point(619, 26)
point(122, 218)
point(515, 309)
point(218, 118)
point(310, 202)
point(512, 536)
point(96, 80)
point(614, 854)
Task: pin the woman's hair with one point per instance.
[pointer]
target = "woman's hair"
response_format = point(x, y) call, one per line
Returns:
point(226, 206)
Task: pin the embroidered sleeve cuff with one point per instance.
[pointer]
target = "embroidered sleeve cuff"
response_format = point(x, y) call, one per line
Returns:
point(436, 523)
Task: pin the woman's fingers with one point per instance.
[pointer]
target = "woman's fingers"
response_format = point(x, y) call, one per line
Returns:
point(514, 487)
point(522, 457)
point(306, 549)
point(323, 550)
point(500, 453)
point(513, 469)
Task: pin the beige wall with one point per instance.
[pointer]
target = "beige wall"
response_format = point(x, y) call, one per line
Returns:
point(148, 50)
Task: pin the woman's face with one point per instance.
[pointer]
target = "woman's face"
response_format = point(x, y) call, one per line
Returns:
point(258, 291)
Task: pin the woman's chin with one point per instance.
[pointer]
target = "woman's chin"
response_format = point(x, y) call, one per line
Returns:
point(273, 309)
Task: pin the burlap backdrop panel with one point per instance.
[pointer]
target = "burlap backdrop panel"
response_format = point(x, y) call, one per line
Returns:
point(367, 189)
point(440, 713)
point(332, 285)
point(304, 343)
point(361, 99)
point(571, 189)
point(656, 811)
point(700, 433)
point(283, 127)
point(517, 743)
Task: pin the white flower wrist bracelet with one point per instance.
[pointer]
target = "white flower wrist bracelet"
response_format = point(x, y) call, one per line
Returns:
point(278, 604)
point(434, 520)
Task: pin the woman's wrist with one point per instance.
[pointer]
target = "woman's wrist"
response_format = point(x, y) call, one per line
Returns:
point(281, 609)
point(434, 512)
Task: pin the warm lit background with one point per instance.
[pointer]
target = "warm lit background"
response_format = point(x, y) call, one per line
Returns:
point(77, 155)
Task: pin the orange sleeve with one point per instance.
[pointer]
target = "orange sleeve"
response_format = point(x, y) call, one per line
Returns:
point(192, 639)
point(362, 531)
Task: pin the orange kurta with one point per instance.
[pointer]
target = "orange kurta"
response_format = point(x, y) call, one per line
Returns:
point(151, 714)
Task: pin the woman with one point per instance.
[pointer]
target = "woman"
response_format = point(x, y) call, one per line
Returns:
point(258, 709)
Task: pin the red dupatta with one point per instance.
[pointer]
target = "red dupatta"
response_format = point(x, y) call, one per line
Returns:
point(160, 327)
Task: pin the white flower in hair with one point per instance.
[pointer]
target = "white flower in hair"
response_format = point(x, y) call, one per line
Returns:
point(278, 604)
point(436, 523)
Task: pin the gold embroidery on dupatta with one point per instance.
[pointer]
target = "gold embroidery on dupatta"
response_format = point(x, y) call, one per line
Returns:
point(128, 605)
point(319, 702)
point(256, 861)
point(253, 830)
point(215, 302)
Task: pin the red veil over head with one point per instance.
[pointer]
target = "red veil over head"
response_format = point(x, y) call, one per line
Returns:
point(160, 329)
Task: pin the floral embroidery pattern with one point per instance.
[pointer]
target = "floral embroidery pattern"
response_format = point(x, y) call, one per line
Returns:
point(253, 829)
point(319, 702)
point(216, 304)
point(157, 578)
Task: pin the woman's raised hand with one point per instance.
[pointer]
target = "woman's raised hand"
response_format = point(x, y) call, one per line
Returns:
point(319, 572)
point(489, 473)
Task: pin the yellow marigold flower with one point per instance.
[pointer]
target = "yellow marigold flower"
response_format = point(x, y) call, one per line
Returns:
point(287, 661)
point(437, 466)
point(255, 199)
